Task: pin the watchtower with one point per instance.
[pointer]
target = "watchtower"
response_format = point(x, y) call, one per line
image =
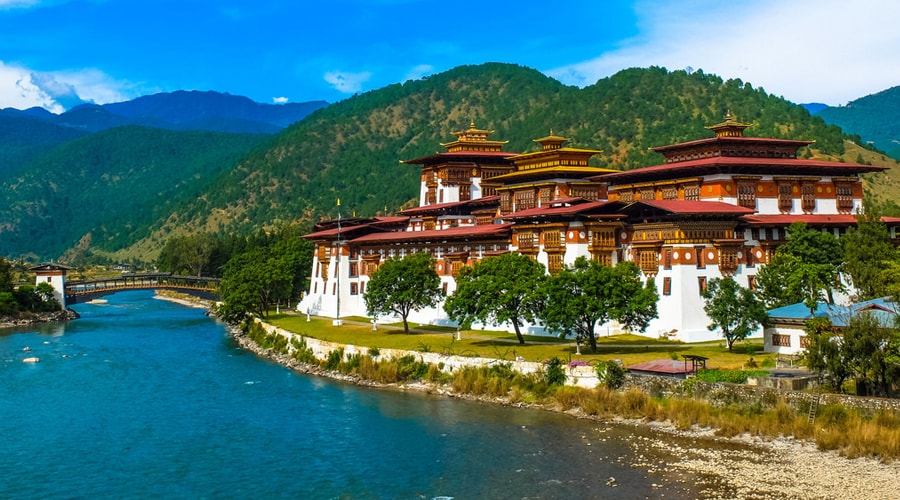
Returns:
point(55, 274)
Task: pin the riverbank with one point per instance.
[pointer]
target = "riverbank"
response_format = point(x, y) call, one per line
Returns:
point(742, 467)
point(33, 318)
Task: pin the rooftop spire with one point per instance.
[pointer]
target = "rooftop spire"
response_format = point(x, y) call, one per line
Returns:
point(730, 127)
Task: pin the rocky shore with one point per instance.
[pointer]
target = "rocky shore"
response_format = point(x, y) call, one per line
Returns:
point(32, 318)
point(723, 468)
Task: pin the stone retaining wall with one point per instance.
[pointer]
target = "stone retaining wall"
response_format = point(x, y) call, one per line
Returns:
point(719, 393)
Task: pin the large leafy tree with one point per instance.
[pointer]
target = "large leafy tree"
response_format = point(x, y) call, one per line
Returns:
point(866, 350)
point(401, 286)
point(587, 294)
point(254, 281)
point(497, 290)
point(733, 309)
point(804, 269)
point(869, 255)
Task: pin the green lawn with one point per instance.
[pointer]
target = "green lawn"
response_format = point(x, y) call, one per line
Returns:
point(630, 349)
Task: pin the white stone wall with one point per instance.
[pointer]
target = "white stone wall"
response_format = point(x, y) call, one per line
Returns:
point(583, 376)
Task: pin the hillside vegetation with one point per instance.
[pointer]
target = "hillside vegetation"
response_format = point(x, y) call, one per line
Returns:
point(875, 118)
point(351, 150)
point(102, 192)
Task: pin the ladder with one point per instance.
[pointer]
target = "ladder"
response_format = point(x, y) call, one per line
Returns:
point(814, 407)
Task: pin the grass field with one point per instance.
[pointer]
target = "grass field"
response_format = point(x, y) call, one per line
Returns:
point(630, 349)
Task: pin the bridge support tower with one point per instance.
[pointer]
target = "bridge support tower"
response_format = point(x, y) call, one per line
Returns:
point(55, 274)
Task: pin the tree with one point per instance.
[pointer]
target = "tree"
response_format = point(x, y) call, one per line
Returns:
point(497, 290)
point(825, 354)
point(7, 283)
point(868, 253)
point(804, 269)
point(253, 282)
point(188, 254)
point(735, 310)
point(401, 286)
point(587, 294)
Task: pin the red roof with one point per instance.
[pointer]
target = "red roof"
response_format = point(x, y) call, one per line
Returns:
point(552, 210)
point(487, 200)
point(456, 155)
point(734, 164)
point(811, 219)
point(694, 207)
point(453, 233)
point(667, 366)
point(377, 223)
point(751, 140)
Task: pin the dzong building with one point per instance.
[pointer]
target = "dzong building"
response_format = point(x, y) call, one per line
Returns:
point(717, 206)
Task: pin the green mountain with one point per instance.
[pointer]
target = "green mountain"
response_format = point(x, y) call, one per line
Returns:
point(351, 150)
point(104, 190)
point(875, 118)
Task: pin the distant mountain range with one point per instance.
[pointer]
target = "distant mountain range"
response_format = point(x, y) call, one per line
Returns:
point(874, 118)
point(181, 110)
point(112, 183)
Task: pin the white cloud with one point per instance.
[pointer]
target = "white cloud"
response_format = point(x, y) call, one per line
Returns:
point(279, 100)
point(347, 83)
point(17, 90)
point(806, 50)
point(418, 72)
point(23, 88)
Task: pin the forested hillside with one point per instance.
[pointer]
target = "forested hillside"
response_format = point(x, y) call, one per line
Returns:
point(351, 150)
point(874, 118)
point(24, 139)
point(106, 189)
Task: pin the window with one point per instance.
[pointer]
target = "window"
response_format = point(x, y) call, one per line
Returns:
point(844, 194)
point(728, 260)
point(551, 239)
point(667, 258)
point(354, 288)
point(751, 282)
point(698, 252)
point(526, 241)
point(667, 286)
point(746, 194)
point(785, 197)
point(354, 269)
point(444, 287)
point(649, 261)
point(701, 284)
point(692, 192)
point(808, 197)
point(554, 262)
point(670, 193)
point(779, 340)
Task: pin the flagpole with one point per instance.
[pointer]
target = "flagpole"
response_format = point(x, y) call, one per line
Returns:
point(337, 317)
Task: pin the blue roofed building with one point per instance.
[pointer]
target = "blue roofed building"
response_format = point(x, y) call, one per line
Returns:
point(786, 331)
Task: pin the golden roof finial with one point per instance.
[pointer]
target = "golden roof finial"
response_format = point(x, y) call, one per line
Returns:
point(472, 124)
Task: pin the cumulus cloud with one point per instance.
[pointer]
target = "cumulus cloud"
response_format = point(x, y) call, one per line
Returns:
point(24, 88)
point(348, 83)
point(279, 100)
point(418, 72)
point(806, 50)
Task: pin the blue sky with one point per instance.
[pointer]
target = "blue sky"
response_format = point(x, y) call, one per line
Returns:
point(57, 53)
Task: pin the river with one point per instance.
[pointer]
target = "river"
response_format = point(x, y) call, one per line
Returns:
point(146, 398)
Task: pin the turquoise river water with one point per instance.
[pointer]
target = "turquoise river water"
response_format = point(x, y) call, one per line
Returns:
point(145, 398)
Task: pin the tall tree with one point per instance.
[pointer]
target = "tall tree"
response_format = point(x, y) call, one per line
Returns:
point(868, 253)
point(804, 269)
point(254, 281)
point(733, 309)
point(497, 290)
point(587, 294)
point(401, 286)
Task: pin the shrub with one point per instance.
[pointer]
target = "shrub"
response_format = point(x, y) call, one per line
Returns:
point(374, 352)
point(611, 374)
point(553, 372)
point(302, 353)
point(334, 359)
